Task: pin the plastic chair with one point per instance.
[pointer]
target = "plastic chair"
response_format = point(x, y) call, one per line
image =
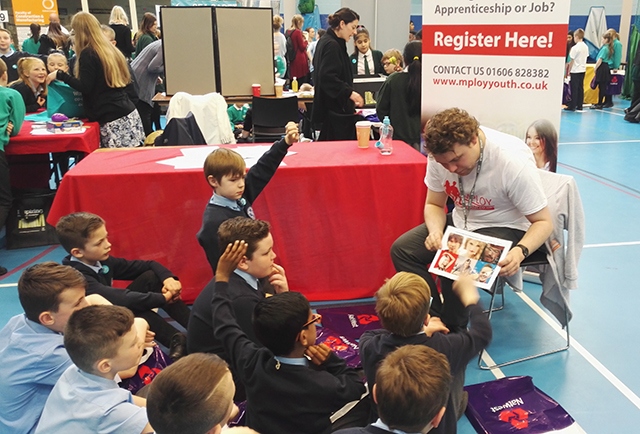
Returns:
point(271, 115)
point(565, 244)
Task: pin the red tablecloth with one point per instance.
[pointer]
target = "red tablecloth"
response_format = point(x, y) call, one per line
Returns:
point(27, 144)
point(335, 210)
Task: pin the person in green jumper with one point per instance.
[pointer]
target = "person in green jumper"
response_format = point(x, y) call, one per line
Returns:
point(399, 97)
point(31, 45)
point(148, 32)
point(12, 112)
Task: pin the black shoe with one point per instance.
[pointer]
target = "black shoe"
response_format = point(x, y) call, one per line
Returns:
point(626, 110)
point(3, 271)
point(569, 109)
point(178, 347)
point(608, 105)
point(596, 107)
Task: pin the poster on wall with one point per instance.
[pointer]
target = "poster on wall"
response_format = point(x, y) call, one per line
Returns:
point(26, 12)
point(503, 62)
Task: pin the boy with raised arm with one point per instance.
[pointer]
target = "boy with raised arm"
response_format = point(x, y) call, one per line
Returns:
point(235, 189)
point(284, 393)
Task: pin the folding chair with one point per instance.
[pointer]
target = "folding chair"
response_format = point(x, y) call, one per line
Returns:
point(565, 207)
point(271, 115)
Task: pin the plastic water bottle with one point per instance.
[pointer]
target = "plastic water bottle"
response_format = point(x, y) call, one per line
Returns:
point(385, 144)
point(294, 84)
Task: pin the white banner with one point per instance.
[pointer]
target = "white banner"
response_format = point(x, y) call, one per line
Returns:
point(502, 61)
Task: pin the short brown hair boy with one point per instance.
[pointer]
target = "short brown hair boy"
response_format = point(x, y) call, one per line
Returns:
point(450, 127)
point(243, 229)
point(181, 402)
point(412, 388)
point(94, 333)
point(402, 303)
point(40, 286)
point(74, 230)
point(223, 162)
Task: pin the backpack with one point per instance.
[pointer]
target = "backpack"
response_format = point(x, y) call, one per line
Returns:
point(306, 6)
point(291, 51)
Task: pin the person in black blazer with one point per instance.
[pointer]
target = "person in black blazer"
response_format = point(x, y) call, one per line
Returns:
point(362, 52)
point(332, 76)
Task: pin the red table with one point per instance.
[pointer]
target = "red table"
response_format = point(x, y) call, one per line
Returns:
point(27, 144)
point(335, 210)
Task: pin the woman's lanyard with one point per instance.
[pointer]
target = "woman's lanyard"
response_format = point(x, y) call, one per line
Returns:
point(467, 201)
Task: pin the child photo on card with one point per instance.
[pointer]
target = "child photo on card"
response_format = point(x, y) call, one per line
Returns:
point(465, 252)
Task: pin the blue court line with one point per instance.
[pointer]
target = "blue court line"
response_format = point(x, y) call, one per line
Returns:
point(602, 180)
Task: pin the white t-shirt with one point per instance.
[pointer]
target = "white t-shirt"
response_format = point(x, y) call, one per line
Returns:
point(579, 54)
point(508, 186)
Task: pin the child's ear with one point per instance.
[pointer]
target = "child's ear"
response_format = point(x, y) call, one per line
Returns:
point(304, 340)
point(46, 319)
point(76, 252)
point(374, 393)
point(243, 264)
point(103, 366)
point(213, 182)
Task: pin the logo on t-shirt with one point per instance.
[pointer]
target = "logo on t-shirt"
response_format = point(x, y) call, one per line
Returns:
point(479, 203)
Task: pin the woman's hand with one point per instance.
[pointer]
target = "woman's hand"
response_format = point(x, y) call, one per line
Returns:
point(357, 99)
point(52, 76)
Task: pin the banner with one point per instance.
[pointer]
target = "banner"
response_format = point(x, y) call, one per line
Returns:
point(502, 61)
point(26, 12)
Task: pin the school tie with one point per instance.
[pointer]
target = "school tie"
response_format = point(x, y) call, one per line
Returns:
point(366, 66)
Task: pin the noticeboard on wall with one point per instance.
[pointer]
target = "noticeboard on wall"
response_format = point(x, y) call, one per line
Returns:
point(217, 49)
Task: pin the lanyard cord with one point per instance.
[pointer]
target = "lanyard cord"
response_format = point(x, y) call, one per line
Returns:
point(467, 201)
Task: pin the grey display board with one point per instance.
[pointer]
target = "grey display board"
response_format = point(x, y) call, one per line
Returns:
point(206, 50)
point(189, 50)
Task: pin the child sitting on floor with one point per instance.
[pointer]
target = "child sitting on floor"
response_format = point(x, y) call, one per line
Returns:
point(32, 83)
point(235, 189)
point(402, 304)
point(284, 394)
point(180, 402)
point(84, 237)
point(31, 346)
point(101, 341)
point(411, 390)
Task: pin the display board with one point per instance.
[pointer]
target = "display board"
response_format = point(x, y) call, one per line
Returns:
point(189, 50)
point(206, 51)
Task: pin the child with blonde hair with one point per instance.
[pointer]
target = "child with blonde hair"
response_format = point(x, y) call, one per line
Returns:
point(392, 61)
point(57, 61)
point(31, 83)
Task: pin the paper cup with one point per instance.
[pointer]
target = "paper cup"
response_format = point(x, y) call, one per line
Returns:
point(363, 131)
point(256, 89)
point(278, 88)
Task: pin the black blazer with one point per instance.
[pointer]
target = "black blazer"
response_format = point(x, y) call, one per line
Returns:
point(332, 77)
point(377, 60)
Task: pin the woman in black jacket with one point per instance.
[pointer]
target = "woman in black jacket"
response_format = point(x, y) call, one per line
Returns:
point(119, 22)
point(332, 76)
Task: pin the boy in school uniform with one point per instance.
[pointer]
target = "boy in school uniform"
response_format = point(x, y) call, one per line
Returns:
point(31, 344)
point(234, 191)
point(402, 304)
point(411, 391)
point(9, 55)
point(180, 402)
point(101, 341)
point(284, 393)
point(84, 236)
point(12, 111)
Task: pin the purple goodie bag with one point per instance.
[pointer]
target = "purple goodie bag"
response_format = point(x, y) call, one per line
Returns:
point(513, 405)
point(351, 321)
point(342, 346)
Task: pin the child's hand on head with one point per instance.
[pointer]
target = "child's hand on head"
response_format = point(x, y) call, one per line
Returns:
point(466, 290)
point(318, 354)
point(291, 133)
point(278, 279)
point(230, 259)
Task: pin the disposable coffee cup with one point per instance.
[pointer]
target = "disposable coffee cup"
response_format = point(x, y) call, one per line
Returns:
point(278, 88)
point(256, 89)
point(363, 131)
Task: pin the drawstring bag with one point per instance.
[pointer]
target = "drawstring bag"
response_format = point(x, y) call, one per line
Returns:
point(351, 321)
point(514, 405)
point(62, 98)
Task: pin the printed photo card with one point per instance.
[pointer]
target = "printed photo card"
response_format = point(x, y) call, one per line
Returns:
point(465, 252)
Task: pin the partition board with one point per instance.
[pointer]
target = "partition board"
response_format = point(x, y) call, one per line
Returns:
point(189, 50)
point(245, 57)
point(204, 50)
